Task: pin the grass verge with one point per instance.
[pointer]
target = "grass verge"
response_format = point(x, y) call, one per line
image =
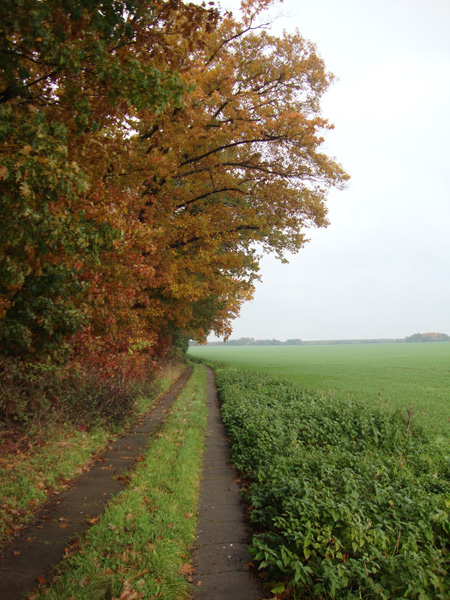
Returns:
point(140, 547)
point(53, 458)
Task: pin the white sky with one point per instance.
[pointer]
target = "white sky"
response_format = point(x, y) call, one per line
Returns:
point(381, 269)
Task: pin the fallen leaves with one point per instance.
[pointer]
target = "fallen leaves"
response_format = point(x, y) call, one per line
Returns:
point(187, 570)
point(128, 593)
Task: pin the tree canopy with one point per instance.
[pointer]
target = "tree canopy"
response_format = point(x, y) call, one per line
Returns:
point(149, 152)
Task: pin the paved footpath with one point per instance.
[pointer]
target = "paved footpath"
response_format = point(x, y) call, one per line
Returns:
point(29, 559)
point(221, 556)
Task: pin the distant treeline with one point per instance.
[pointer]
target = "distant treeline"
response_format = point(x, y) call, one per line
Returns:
point(249, 341)
point(428, 337)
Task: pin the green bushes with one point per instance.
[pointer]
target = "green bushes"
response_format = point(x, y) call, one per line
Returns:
point(346, 502)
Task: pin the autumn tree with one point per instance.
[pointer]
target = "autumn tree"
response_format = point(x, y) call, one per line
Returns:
point(238, 169)
point(150, 151)
point(73, 77)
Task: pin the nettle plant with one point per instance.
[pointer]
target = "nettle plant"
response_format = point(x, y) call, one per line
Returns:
point(348, 500)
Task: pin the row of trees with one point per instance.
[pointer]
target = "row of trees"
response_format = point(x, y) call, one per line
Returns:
point(150, 151)
point(249, 341)
point(428, 337)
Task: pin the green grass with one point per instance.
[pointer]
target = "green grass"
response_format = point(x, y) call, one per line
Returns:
point(57, 455)
point(26, 479)
point(402, 375)
point(140, 547)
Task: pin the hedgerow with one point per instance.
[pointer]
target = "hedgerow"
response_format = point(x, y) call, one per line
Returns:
point(347, 500)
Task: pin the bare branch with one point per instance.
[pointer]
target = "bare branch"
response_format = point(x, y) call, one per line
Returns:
point(199, 238)
point(212, 193)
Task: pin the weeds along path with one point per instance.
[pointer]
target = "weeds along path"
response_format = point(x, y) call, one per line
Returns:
point(28, 560)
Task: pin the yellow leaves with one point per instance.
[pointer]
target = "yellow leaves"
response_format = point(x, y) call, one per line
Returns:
point(125, 557)
point(187, 570)
point(190, 187)
point(26, 150)
point(25, 189)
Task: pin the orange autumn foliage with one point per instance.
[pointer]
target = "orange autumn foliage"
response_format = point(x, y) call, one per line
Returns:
point(189, 144)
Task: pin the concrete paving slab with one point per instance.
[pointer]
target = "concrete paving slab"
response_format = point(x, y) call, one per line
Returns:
point(224, 585)
point(218, 452)
point(221, 557)
point(218, 444)
point(215, 462)
point(219, 474)
point(221, 512)
point(12, 584)
point(219, 469)
point(226, 479)
point(231, 533)
point(219, 499)
point(31, 553)
point(52, 529)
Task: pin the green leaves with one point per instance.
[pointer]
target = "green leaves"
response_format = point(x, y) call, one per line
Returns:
point(346, 503)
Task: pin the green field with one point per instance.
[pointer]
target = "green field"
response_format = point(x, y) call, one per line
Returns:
point(403, 375)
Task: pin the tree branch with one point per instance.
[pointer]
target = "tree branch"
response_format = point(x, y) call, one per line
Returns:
point(268, 138)
point(203, 196)
point(234, 37)
point(198, 238)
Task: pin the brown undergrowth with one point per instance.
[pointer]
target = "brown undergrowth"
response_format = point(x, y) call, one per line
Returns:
point(49, 439)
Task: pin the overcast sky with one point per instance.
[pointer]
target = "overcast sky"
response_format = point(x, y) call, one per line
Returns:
point(382, 267)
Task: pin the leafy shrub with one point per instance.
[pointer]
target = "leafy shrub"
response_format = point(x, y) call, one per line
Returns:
point(31, 394)
point(345, 501)
point(92, 399)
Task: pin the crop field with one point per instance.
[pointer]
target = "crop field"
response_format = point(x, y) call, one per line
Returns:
point(349, 496)
point(400, 375)
point(349, 500)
